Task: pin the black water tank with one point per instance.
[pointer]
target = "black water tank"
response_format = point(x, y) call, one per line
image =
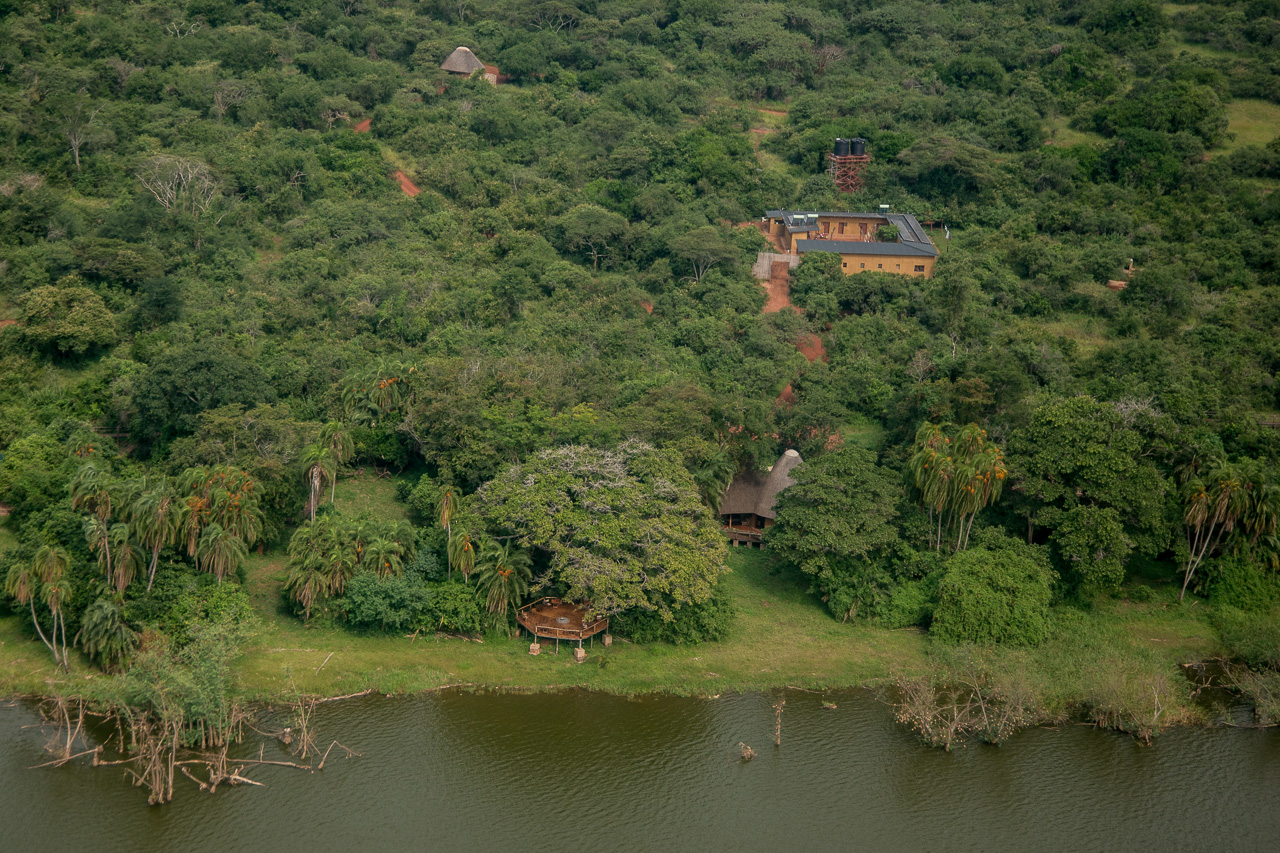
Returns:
point(842, 147)
point(859, 145)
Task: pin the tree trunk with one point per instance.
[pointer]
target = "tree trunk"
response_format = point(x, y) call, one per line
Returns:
point(151, 571)
point(34, 621)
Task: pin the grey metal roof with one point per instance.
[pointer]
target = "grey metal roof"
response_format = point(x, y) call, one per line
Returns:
point(855, 247)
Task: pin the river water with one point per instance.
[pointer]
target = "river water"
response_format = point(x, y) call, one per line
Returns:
point(586, 772)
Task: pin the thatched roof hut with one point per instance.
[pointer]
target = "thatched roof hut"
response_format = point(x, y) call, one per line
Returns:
point(756, 492)
point(462, 61)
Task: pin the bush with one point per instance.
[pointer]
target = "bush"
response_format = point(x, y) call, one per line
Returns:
point(388, 605)
point(912, 603)
point(709, 621)
point(994, 596)
point(1235, 582)
point(454, 608)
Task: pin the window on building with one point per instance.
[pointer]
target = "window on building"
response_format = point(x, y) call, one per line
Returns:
point(841, 227)
point(879, 266)
point(862, 266)
point(845, 265)
point(919, 267)
point(826, 227)
point(898, 267)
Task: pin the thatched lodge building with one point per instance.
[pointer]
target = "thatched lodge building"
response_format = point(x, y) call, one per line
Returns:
point(747, 507)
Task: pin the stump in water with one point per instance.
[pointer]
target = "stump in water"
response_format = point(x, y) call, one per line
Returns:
point(777, 722)
point(747, 752)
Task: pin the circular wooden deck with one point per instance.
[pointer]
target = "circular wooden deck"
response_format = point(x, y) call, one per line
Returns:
point(559, 620)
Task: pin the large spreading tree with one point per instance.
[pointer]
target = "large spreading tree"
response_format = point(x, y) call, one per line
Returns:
point(623, 528)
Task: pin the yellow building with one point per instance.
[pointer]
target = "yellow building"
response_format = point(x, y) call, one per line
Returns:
point(854, 237)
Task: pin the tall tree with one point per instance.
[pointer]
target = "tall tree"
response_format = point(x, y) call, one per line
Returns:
point(505, 572)
point(623, 528)
point(317, 467)
point(157, 517)
point(336, 438)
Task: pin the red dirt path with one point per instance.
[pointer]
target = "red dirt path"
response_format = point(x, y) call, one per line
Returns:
point(778, 287)
point(4, 323)
point(811, 347)
point(647, 306)
point(362, 126)
point(410, 189)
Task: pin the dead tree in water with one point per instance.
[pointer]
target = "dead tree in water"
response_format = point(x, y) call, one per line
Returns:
point(153, 746)
point(777, 721)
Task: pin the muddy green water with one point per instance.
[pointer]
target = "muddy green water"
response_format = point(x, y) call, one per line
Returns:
point(584, 772)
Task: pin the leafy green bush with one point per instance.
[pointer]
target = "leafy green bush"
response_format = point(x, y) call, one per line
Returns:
point(994, 596)
point(1238, 583)
point(912, 603)
point(454, 608)
point(390, 604)
point(709, 621)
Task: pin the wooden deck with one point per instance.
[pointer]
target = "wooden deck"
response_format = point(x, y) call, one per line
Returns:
point(559, 620)
point(740, 534)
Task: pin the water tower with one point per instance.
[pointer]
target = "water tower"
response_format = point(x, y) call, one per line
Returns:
point(848, 164)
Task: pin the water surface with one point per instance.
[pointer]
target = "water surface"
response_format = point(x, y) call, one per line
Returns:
point(586, 772)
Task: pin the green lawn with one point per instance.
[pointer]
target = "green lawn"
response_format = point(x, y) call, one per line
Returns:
point(782, 636)
point(1059, 133)
point(1251, 122)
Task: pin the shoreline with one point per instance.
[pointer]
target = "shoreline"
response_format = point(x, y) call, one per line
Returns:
point(1107, 662)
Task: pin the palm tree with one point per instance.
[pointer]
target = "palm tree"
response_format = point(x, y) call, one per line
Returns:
point(21, 585)
point(505, 573)
point(98, 534)
point(462, 552)
point(55, 593)
point(308, 575)
point(220, 551)
point(307, 582)
point(713, 477)
point(1213, 506)
point(384, 556)
point(337, 552)
point(128, 559)
point(448, 509)
point(93, 490)
point(157, 516)
point(336, 438)
point(104, 635)
point(317, 466)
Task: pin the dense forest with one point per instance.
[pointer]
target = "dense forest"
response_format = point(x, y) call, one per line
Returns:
point(249, 248)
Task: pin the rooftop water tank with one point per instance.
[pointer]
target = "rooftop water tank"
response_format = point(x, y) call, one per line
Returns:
point(842, 147)
point(858, 146)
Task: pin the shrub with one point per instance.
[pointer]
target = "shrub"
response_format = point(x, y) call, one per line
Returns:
point(390, 604)
point(708, 621)
point(912, 603)
point(994, 596)
point(1235, 582)
point(453, 608)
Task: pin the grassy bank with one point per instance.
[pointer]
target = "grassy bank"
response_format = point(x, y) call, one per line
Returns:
point(782, 637)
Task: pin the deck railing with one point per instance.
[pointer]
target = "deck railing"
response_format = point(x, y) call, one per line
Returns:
point(556, 632)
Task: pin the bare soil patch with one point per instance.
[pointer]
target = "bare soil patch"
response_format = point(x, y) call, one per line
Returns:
point(778, 287)
point(811, 347)
point(362, 126)
point(409, 187)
